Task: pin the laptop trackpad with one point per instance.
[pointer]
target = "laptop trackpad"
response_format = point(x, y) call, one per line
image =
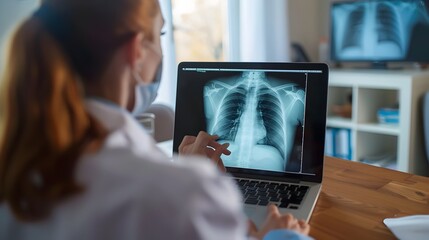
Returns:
point(256, 213)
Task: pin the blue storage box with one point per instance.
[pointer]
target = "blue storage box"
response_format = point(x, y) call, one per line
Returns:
point(388, 115)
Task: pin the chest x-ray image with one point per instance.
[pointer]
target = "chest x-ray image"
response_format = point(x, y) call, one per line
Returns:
point(375, 29)
point(260, 116)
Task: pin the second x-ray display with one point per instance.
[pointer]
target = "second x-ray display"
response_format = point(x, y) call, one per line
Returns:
point(384, 30)
point(261, 116)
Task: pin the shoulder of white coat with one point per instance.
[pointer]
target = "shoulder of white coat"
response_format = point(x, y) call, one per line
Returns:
point(123, 129)
point(154, 169)
point(123, 162)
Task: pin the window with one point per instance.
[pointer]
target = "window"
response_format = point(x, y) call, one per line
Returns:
point(194, 32)
point(199, 27)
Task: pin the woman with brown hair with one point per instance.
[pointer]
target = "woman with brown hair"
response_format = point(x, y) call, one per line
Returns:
point(74, 164)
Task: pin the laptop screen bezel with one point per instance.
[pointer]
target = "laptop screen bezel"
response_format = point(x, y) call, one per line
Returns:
point(313, 102)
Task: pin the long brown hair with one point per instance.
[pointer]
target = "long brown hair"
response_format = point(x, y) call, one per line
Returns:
point(44, 126)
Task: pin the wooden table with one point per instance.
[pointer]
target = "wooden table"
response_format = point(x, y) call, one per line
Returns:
point(356, 198)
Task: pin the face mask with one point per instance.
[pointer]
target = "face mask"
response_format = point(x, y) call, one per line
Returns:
point(145, 94)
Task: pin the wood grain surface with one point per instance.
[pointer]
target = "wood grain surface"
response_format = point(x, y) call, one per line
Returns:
point(356, 198)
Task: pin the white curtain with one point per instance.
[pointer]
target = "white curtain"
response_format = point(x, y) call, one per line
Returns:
point(167, 90)
point(258, 30)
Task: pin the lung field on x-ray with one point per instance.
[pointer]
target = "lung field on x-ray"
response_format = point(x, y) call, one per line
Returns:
point(258, 116)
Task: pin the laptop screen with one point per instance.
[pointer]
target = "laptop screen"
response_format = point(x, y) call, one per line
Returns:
point(267, 112)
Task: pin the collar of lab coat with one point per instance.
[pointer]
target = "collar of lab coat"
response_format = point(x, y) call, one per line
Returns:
point(124, 130)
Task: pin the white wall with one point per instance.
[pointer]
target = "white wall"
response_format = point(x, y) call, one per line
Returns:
point(304, 25)
point(12, 12)
point(309, 21)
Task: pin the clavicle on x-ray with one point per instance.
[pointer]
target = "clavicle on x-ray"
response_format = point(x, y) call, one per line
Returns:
point(259, 116)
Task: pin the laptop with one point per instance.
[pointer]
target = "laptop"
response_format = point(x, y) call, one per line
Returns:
point(274, 117)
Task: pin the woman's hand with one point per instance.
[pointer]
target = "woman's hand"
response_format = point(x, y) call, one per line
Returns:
point(205, 145)
point(275, 220)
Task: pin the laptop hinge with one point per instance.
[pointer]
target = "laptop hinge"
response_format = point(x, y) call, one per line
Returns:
point(266, 178)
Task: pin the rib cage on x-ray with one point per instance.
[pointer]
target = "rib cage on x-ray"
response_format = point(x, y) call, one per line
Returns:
point(232, 106)
point(388, 24)
point(354, 30)
point(374, 27)
point(270, 111)
point(256, 107)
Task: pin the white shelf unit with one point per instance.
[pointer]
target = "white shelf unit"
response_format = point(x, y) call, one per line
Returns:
point(375, 89)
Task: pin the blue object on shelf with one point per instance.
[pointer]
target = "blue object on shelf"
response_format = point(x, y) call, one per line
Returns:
point(338, 143)
point(388, 115)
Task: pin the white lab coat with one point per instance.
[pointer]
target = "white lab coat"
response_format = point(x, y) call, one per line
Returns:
point(134, 191)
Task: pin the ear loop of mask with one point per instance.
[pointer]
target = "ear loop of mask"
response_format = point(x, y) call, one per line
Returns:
point(136, 75)
point(138, 98)
point(145, 94)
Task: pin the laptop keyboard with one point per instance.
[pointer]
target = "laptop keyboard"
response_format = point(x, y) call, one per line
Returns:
point(262, 193)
